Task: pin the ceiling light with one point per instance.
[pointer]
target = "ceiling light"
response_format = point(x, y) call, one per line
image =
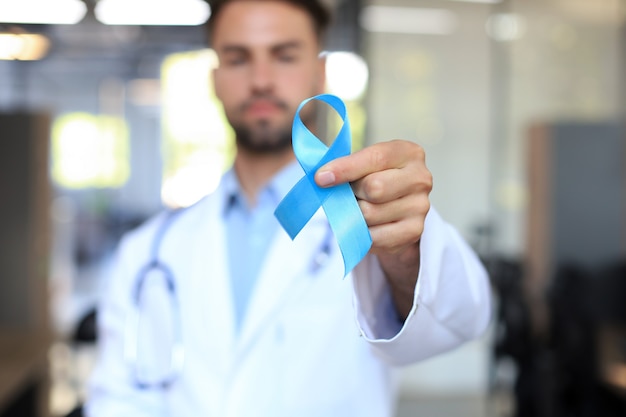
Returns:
point(59, 12)
point(23, 46)
point(408, 20)
point(153, 12)
point(481, 1)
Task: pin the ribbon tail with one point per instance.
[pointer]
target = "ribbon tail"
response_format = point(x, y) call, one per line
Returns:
point(297, 208)
point(349, 226)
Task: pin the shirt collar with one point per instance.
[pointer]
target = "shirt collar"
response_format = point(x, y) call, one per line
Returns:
point(277, 187)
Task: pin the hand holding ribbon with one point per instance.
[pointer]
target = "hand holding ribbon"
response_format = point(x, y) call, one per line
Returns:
point(339, 203)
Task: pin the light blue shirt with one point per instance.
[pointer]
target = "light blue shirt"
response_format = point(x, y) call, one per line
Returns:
point(250, 231)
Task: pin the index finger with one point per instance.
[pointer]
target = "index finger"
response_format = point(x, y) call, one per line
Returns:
point(378, 157)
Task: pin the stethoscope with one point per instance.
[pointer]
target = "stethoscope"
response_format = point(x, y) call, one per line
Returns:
point(156, 268)
point(153, 269)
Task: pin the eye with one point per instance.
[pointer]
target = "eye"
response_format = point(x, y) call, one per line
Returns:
point(286, 58)
point(235, 60)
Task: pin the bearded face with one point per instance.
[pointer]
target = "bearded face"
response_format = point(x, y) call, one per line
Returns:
point(263, 135)
point(267, 65)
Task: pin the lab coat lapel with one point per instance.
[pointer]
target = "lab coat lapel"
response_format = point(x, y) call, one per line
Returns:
point(284, 270)
point(211, 277)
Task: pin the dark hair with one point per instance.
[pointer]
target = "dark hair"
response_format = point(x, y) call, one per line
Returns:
point(319, 13)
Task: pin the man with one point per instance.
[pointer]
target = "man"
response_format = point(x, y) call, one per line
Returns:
point(269, 329)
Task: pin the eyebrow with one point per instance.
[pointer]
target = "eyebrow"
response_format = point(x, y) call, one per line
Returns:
point(234, 48)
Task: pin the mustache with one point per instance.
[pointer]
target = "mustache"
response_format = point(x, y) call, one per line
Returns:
point(264, 97)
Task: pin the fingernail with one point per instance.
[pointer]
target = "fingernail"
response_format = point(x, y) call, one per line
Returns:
point(325, 178)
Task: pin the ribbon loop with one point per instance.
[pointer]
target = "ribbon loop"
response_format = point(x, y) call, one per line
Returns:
point(339, 203)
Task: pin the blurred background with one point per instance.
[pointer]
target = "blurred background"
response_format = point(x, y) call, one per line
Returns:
point(107, 116)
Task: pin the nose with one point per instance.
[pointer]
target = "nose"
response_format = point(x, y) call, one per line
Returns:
point(262, 77)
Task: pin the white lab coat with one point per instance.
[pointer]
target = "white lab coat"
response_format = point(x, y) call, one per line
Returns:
point(300, 351)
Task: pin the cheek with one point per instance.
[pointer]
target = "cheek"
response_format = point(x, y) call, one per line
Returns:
point(229, 94)
point(227, 85)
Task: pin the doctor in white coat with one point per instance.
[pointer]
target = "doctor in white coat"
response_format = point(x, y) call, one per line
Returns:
point(204, 317)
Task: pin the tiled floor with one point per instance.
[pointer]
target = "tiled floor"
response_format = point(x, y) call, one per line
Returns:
point(444, 407)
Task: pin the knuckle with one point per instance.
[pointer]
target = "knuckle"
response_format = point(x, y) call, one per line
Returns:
point(426, 207)
point(373, 188)
point(428, 180)
point(418, 230)
point(422, 206)
point(413, 233)
point(423, 182)
point(378, 158)
point(418, 152)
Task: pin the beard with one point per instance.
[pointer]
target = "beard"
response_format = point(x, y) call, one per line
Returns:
point(262, 137)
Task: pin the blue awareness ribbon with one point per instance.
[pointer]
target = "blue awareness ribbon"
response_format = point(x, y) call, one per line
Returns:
point(339, 203)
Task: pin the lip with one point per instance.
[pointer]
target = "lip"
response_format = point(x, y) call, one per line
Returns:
point(262, 108)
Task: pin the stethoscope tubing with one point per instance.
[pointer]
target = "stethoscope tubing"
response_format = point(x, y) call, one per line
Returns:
point(155, 263)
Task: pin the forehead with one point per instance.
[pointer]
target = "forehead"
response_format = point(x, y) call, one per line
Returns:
point(262, 23)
